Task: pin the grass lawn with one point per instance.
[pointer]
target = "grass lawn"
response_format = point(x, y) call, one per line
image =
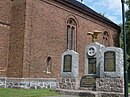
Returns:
point(128, 87)
point(5, 92)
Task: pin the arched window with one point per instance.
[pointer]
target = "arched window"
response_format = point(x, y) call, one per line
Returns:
point(71, 34)
point(106, 38)
point(49, 65)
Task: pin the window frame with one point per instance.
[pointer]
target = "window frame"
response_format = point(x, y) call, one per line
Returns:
point(71, 34)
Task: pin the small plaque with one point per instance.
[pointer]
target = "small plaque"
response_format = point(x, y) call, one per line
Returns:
point(109, 61)
point(87, 82)
point(91, 65)
point(67, 63)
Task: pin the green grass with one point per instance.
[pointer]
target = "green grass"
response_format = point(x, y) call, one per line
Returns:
point(129, 87)
point(6, 92)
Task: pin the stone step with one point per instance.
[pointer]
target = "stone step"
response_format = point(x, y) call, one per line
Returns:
point(87, 93)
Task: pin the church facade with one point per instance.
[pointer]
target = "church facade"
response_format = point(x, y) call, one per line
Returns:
point(35, 33)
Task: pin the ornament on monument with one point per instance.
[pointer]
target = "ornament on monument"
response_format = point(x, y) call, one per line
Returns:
point(94, 35)
point(88, 81)
point(92, 51)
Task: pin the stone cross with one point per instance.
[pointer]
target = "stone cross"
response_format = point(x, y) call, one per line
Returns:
point(94, 35)
point(91, 50)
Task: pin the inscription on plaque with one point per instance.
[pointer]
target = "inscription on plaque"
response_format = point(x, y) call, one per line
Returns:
point(109, 61)
point(87, 81)
point(91, 65)
point(67, 63)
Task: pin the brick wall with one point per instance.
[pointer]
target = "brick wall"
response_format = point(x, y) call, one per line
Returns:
point(4, 38)
point(5, 6)
point(16, 38)
point(46, 36)
point(38, 31)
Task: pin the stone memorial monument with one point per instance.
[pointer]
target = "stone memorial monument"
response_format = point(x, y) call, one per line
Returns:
point(92, 62)
point(111, 71)
point(69, 70)
point(104, 69)
point(112, 65)
point(92, 59)
point(93, 55)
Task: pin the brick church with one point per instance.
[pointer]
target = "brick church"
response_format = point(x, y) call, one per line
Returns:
point(35, 33)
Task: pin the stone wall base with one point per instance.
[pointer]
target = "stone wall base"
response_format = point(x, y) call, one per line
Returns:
point(110, 85)
point(110, 95)
point(28, 83)
point(69, 83)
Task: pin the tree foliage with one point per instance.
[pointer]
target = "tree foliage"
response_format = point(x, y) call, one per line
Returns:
point(128, 26)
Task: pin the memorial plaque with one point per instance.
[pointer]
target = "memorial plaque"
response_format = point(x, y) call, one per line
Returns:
point(91, 65)
point(67, 63)
point(87, 82)
point(109, 61)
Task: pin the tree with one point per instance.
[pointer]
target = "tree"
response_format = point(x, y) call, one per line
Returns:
point(103, 14)
point(128, 35)
point(128, 27)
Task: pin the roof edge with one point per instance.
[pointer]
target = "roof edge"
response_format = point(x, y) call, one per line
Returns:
point(88, 11)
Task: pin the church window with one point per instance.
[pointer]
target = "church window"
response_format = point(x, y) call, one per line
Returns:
point(71, 34)
point(49, 65)
point(106, 40)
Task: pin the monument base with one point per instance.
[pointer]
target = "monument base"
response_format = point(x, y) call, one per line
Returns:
point(68, 83)
point(110, 85)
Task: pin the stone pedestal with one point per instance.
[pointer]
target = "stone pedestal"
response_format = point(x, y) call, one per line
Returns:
point(110, 85)
point(92, 59)
point(69, 70)
point(69, 83)
point(70, 64)
point(111, 64)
